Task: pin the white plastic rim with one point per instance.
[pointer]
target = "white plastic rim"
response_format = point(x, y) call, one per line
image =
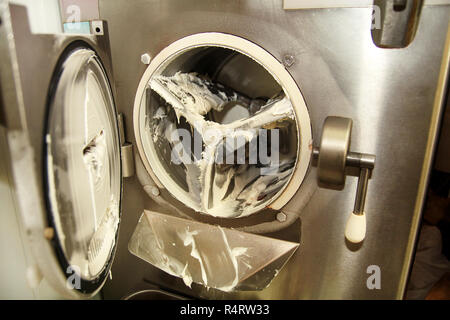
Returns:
point(266, 60)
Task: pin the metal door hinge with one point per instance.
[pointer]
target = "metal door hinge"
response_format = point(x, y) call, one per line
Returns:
point(126, 150)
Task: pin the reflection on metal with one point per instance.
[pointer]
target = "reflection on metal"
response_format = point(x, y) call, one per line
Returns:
point(127, 160)
point(400, 19)
point(220, 258)
point(361, 191)
point(333, 157)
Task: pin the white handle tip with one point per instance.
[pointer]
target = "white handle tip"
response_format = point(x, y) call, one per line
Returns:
point(355, 231)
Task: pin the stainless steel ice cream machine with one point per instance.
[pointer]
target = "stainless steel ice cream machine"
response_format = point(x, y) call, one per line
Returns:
point(203, 147)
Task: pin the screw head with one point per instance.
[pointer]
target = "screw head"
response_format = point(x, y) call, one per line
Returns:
point(288, 60)
point(281, 217)
point(155, 191)
point(145, 58)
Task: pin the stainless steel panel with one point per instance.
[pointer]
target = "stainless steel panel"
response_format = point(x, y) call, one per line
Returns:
point(389, 94)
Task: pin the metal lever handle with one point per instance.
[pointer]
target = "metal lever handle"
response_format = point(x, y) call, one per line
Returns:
point(333, 157)
point(361, 191)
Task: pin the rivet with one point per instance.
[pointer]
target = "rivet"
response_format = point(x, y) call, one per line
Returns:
point(145, 58)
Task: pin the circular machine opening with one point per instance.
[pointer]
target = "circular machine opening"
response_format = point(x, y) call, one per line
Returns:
point(222, 126)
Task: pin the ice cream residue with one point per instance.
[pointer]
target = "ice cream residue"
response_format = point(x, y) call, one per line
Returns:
point(212, 256)
point(216, 187)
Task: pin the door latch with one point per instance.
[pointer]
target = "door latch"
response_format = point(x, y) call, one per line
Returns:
point(333, 158)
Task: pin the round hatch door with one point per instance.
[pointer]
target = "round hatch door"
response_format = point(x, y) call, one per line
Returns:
point(82, 167)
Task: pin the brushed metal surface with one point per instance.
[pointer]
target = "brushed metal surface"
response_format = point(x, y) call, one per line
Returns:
point(389, 95)
point(27, 67)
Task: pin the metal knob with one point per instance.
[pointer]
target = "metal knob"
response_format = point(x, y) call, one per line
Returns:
point(333, 158)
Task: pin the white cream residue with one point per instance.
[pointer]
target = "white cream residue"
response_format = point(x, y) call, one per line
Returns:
point(233, 255)
point(227, 191)
point(230, 255)
point(188, 240)
point(198, 255)
point(104, 238)
point(186, 276)
point(95, 155)
point(191, 92)
point(208, 255)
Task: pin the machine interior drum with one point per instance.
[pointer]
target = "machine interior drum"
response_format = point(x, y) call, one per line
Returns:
point(222, 126)
point(82, 165)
